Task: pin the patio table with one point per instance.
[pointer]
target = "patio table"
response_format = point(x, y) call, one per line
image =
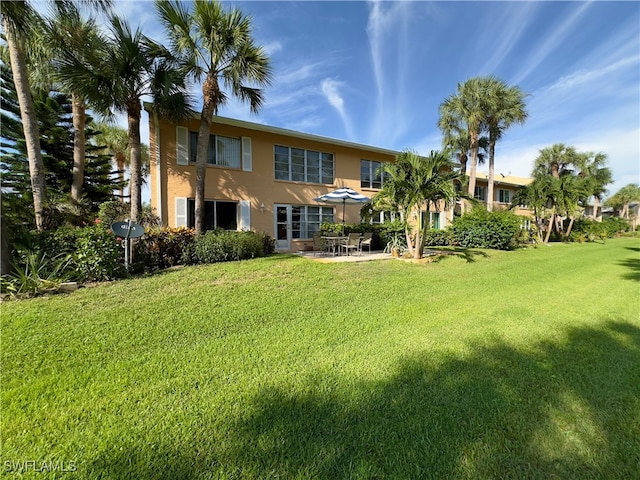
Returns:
point(334, 243)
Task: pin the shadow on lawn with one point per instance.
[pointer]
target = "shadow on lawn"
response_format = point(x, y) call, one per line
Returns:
point(558, 410)
point(467, 254)
point(633, 264)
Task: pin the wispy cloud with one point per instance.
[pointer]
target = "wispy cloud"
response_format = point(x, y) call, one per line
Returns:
point(551, 42)
point(389, 42)
point(330, 89)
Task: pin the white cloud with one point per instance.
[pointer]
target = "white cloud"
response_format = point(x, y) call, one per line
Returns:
point(551, 42)
point(330, 90)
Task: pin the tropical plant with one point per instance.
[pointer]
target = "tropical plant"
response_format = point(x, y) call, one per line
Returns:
point(121, 69)
point(67, 32)
point(413, 185)
point(596, 177)
point(621, 200)
point(18, 18)
point(114, 140)
point(504, 106)
point(560, 188)
point(216, 48)
point(462, 114)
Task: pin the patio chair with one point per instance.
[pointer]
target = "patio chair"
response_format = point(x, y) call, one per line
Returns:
point(352, 243)
point(319, 244)
point(365, 241)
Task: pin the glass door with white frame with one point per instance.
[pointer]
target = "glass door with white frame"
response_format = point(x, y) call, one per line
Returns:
point(282, 227)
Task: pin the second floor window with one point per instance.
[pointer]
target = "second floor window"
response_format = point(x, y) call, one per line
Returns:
point(300, 165)
point(370, 174)
point(222, 151)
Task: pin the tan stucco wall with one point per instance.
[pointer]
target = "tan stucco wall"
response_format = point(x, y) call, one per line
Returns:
point(258, 186)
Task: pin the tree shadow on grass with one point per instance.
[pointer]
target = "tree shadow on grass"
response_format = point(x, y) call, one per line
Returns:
point(567, 409)
point(633, 264)
point(468, 255)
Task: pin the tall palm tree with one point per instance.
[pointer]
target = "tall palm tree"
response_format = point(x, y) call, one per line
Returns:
point(465, 112)
point(18, 18)
point(116, 75)
point(217, 49)
point(68, 33)
point(504, 106)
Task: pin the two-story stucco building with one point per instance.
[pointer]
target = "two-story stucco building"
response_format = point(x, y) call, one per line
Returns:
point(265, 178)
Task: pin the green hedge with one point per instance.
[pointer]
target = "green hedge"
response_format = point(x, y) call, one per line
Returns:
point(95, 253)
point(224, 246)
point(481, 229)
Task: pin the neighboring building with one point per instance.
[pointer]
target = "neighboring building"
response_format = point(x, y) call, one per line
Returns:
point(504, 188)
point(259, 177)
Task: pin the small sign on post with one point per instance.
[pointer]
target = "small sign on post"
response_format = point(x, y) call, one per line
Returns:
point(127, 230)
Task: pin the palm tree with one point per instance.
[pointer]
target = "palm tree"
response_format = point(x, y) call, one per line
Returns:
point(116, 75)
point(67, 33)
point(504, 106)
point(414, 183)
point(623, 198)
point(216, 48)
point(555, 172)
point(465, 112)
point(18, 18)
point(114, 141)
point(596, 177)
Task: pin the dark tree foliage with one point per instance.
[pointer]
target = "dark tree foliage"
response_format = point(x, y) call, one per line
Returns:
point(53, 111)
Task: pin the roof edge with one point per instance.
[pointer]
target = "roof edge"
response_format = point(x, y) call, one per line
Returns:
point(291, 133)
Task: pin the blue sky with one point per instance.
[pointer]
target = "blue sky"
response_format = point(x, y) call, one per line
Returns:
point(376, 72)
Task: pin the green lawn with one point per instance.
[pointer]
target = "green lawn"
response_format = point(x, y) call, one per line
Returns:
point(486, 364)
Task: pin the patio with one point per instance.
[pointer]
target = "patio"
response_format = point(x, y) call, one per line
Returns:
point(365, 257)
point(327, 258)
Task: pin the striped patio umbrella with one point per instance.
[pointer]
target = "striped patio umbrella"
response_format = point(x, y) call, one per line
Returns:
point(342, 195)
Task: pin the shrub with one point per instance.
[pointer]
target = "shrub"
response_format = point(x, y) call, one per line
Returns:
point(95, 253)
point(113, 211)
point(479, 228)
point(585, 229)
point(439, 238)
point(35, 272)
point(163, 248)
point(98, 255)
point(223, 246)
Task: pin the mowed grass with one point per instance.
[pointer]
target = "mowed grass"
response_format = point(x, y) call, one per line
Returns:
point(521, 364)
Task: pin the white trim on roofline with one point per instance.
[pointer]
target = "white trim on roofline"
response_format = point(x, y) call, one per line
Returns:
point(291, 133)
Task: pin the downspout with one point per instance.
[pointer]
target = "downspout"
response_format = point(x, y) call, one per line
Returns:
point(158, 170)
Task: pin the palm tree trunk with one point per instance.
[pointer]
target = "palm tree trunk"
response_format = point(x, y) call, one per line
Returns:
point(572, 218)
point(29, 124)
point(210, 93)
point(492, 150)
point(78, 108)
point(596, 205)
point(135, 183)
point(551, 222)
point(474, 164)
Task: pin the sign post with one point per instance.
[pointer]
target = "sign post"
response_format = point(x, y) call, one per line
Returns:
point(127, 230)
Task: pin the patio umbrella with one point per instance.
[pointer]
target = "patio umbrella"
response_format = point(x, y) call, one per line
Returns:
point(342, 195)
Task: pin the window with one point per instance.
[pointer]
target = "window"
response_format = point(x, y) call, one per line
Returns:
point(504, 196)
point(217, 214)
point(370, 174)
point(434, 218)
point(300, 165)
point(480, 193)
point(306, 220)
point(222, 151)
